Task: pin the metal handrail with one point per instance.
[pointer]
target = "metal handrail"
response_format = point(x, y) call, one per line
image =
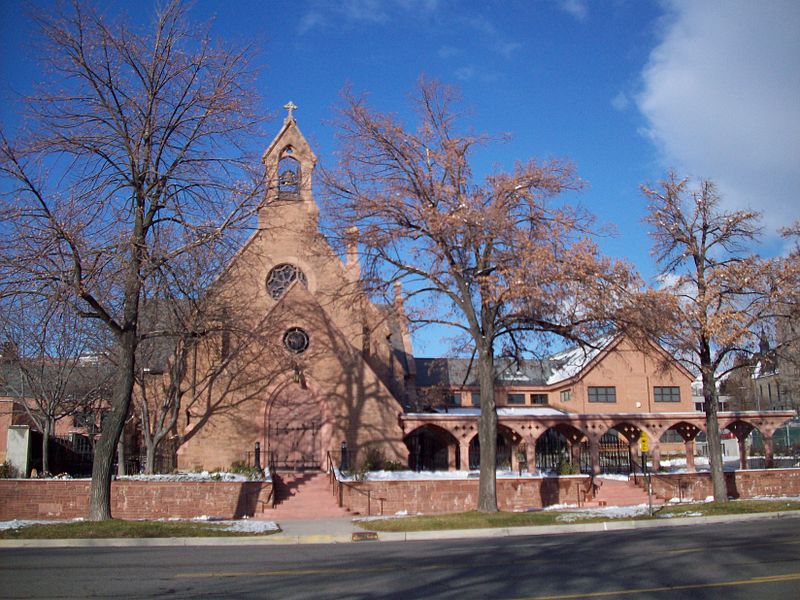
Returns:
point(338, 485)
point(663, 477)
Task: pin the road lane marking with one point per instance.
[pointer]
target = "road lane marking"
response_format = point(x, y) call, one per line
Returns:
point(674, 588)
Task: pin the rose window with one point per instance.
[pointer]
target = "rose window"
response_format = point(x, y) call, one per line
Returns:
point(295, 340)
point(281, 277)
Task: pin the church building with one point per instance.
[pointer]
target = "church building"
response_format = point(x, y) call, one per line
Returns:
point(306, 366)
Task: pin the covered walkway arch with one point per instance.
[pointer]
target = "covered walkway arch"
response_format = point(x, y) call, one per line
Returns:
point(527, 427)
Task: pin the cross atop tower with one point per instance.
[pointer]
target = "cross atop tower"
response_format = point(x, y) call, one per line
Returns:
point(290, 106)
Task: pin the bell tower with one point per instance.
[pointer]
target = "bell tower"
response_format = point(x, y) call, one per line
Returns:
point(289, 163)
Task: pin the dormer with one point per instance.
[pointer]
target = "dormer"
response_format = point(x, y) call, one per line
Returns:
point(289, 163)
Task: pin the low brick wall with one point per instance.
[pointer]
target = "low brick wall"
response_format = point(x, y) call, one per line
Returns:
point(741, 484)
point(69, 499)
point(458, 495)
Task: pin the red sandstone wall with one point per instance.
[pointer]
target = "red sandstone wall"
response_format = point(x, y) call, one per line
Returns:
point(447, 495)
point(741, 484)
point(68, 499)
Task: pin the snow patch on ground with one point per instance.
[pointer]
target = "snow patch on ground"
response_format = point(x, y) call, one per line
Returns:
point(442, 475)
point(241, 526)
point(614, 477)
point(188, 477)
point(610, 512)
point(199, 476)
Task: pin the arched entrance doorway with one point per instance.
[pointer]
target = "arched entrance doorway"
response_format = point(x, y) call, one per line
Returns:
point(293, 424)
point(503, 452)
point(429, 449)
point(562, 449)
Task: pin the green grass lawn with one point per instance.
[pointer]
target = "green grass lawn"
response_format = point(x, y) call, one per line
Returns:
point(476, 520)
point(117, 528)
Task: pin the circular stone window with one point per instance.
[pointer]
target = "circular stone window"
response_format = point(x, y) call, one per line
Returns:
point(295, 340)
point(281, 277)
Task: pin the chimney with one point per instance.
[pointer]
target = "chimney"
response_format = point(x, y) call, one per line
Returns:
point(352, 251)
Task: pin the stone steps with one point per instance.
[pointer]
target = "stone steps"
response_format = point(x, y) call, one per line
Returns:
point(304, 495)
point(612, 492)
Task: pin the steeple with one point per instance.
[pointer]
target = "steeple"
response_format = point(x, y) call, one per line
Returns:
point(289, 163)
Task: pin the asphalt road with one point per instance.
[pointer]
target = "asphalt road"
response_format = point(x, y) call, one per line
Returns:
point(758, 559)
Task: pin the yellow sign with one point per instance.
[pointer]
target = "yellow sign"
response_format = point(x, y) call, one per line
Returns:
point(644, 442)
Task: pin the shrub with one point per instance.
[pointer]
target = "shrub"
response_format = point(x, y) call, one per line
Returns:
point(7, 471)
point(393, 465)
point(565, 467)
point(240, 468)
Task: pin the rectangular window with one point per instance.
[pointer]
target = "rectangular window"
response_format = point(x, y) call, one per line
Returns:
point(667, 393)
point(602, 394)
point(476, 398)
point(539, 398)
point(566, 395)
point(515, 399)
point(454, 399)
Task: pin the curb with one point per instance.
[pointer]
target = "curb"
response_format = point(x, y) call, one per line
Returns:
point(454, 534)
point(279, 539)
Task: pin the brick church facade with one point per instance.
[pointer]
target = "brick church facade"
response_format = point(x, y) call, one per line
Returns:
point(311, 364)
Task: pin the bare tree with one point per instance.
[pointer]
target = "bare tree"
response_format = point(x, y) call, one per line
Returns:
point(53, 365)
point(787, 320)
point(134, 160)
point(724, 293)
point(499, 261)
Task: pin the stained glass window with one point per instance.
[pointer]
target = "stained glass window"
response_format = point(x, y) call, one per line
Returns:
point(281, 277)
point(295, 340)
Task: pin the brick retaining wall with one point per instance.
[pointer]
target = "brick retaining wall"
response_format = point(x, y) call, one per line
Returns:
point(69, 499)
point(741, 484)
point(458, 495)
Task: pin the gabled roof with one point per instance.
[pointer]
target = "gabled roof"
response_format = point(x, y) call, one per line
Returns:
point(454, 372)
point(298, 140)
point(552, 370)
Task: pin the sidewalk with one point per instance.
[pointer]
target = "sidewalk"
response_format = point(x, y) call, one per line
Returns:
point(334, 531)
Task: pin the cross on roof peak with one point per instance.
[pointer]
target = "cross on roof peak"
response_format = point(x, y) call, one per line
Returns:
point(290, 107)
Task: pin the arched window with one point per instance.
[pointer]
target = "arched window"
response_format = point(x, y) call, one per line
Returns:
point(288, 173)
point(281, 276)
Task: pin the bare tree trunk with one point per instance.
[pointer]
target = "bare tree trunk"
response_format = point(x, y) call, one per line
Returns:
point(713, 435)
point(487, 434)
point(100, 491)
point(150, 459)
point(46, 447)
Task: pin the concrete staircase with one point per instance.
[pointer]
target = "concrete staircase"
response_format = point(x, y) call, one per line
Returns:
point(305, 495)
point(613, 492)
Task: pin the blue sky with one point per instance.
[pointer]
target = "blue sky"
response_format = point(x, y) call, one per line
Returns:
point(624, 88)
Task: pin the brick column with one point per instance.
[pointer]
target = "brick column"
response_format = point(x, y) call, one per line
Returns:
point(452, 453)
point(742, 440)
point(688, 446)
point(530, 451)
point(655, 453)
point(594, 450)
point(769, 457)
point(463, 448)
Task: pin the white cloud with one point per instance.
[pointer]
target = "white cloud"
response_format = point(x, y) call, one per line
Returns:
point(576, 8)
point(506, 48)
point(359, 12)
point(465, 73)
point(720, 96)
point(367, 11)
point(448, 52)
point(620, 102)
point(309, 21)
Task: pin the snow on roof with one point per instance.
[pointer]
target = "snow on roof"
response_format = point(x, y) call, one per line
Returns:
point(570, 362)
point(511, 411)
